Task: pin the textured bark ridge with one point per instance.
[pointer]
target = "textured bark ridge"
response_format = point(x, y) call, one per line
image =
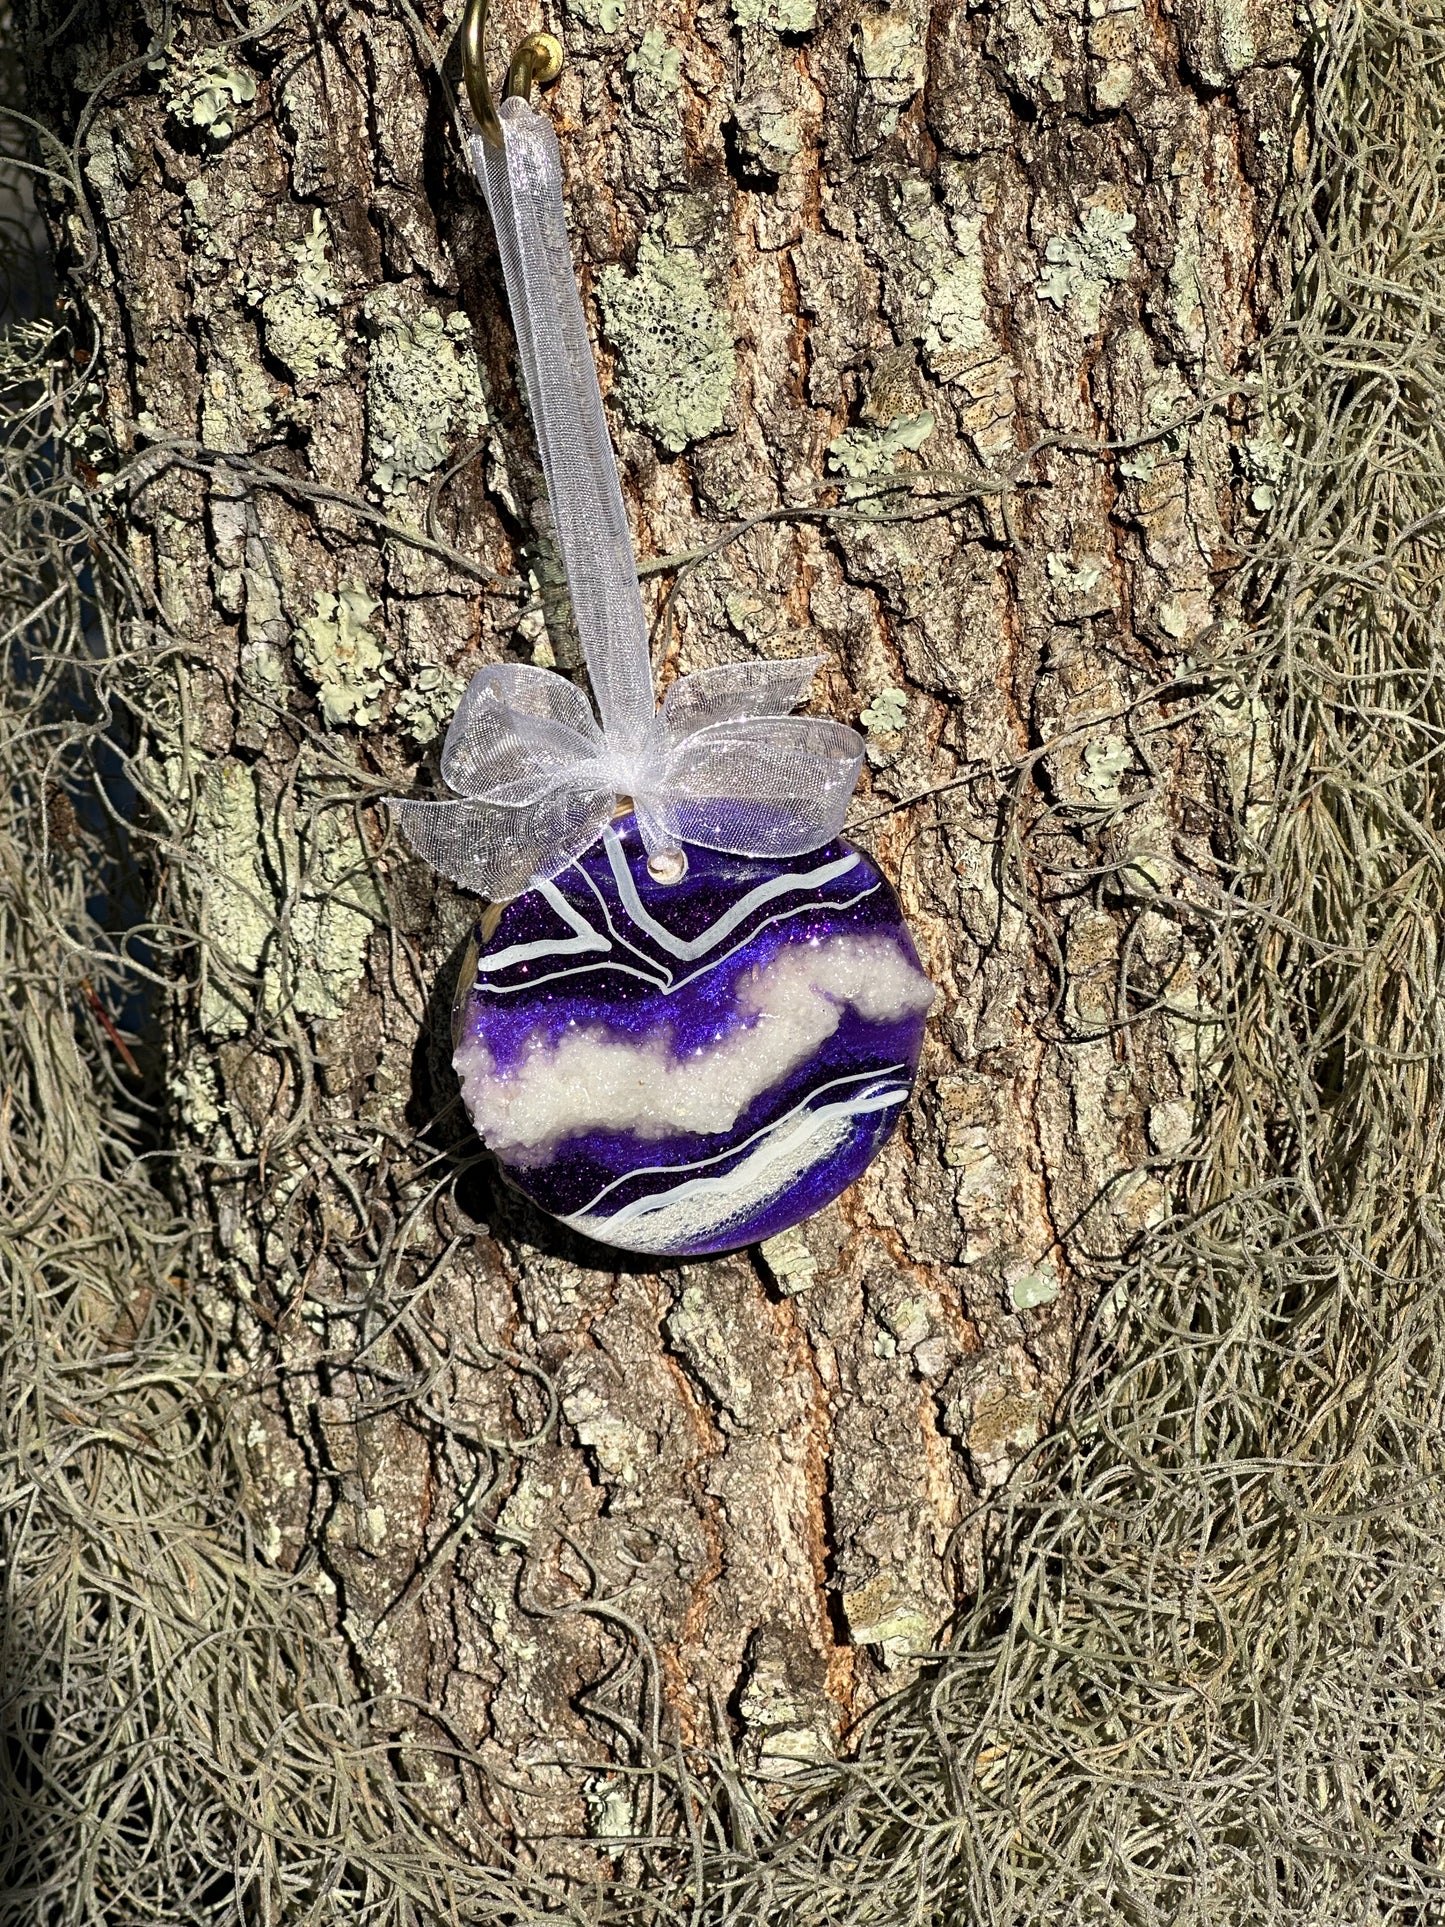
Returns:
point(887, 279)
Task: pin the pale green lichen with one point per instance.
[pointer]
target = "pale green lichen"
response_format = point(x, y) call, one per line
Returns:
point(1140, 464)
point(958, 303)
point(1263, 459)
point(1082, 265)
point(237, 910)
point(300, 334)
point(779, 16)
point(205, 91)
point(783, 1718)
point(891, 53)
point(881, 1613)
point(342, 657)
point(426, 705)
point(423, 391)
point(611, 1807)
point(677, 362)
point(887, 710)
point(1075, 576)
point(1037, 1286)
point(255, 860)
point(946, 265)
point(1166, 403)
point(793, 1266)
point(197, 1093)
point(315, 277)
point(339, 907)
point(655, 67)
point(1103, 766)
point(605, 15)
point(860, 452)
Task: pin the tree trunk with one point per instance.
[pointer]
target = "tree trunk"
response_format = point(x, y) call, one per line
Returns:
point(874, 290)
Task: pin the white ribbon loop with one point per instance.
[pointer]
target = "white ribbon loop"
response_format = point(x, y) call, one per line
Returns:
point(515, 729)
point(723, 763)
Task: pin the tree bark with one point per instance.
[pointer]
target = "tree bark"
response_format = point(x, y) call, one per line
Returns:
point(890, 280)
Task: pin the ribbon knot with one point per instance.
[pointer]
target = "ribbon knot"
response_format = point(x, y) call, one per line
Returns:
point(723, 763)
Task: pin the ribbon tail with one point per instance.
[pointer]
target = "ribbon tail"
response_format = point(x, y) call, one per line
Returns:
point(522, 182)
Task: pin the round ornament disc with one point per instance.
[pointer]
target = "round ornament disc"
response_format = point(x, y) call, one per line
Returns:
point(684, 1067)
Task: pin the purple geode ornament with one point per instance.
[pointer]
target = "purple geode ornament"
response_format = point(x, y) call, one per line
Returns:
point(693, 1024)
point(684, 1068)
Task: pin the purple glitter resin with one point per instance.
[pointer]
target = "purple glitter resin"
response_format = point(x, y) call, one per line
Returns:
point(685, 1068)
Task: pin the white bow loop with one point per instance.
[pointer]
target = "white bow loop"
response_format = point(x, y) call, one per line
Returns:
point(516, 728)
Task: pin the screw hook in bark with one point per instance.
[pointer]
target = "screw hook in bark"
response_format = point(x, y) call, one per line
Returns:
point(537, 62)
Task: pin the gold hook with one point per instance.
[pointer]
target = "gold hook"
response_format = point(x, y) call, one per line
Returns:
point(474, 70)
point(536, 63)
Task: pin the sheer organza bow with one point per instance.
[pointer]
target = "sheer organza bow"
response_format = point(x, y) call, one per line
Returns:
point(723, 762)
